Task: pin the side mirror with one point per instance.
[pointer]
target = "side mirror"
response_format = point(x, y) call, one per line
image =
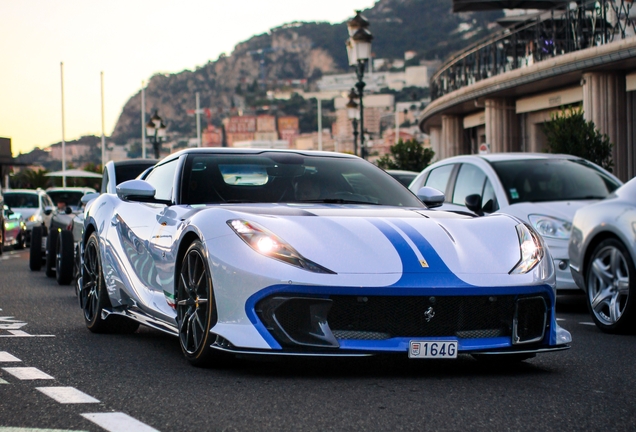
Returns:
point(473, 203)
point(431, 197)
point(68, 210)
point(48, 210)
point(89, 197)
point(136, 190)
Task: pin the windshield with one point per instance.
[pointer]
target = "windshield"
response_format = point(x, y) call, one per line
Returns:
point(21, 200)
point(72, 199)
point(290, 178)
point(538, 180)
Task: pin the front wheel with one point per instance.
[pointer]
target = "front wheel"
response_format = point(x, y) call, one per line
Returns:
point(609, 279)
point(64, 258)
point(94, 298)
point(51, 248)
point(35, 252)
point(196, 308)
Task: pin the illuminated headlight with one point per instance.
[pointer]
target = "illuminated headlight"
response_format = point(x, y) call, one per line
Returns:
point(35, 218)
point(268, 244)
point(532, 249)
point(551, 227)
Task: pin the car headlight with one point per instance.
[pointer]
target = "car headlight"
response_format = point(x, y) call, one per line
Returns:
point(268, 244)
point(551, 227)
point(532, 249)
point(35, 218)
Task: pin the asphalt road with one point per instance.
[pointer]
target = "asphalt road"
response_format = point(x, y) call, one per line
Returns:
point(142, 382)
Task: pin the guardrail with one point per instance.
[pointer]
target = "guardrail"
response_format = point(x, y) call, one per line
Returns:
point(542, 36)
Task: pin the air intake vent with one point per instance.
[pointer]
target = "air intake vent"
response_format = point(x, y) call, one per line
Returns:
point(531, 315)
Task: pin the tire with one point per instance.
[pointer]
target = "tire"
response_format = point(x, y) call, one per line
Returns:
point(196, 309)
point(64, 258)
point(94, 298)
point(21, 241)
point(610, 279)
point(35, 251)
point(51, 249)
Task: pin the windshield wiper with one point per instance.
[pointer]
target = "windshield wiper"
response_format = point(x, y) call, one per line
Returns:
point(338, 201)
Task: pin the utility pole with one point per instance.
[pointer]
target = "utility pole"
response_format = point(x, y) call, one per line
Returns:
point(143, 120)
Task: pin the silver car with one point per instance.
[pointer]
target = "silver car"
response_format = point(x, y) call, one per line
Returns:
point(602, 254)
point(542, 189)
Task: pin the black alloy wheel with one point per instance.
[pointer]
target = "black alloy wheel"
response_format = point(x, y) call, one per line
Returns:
point(35, 251)
point(196, 308)
point(64, 258)
point(51, 248)
point(94, 298)
point(610, 281)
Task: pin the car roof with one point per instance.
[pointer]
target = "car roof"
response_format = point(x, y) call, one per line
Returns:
point(70, 189)
point(498, 157)
point(253, 151)
point(29, 191)
point(404, 172)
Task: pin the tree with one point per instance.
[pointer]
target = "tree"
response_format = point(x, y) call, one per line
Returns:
point(31, 179)
point(408, 155)
point(570, 133)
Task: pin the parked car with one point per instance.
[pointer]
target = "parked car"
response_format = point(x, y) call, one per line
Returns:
point(68, 203)
point(541, 189)
point(602, 259)
point(70, 225)
point(404, 177)
point(14, 229)
point(35, 206)
point(247, 251)
point(1, 223)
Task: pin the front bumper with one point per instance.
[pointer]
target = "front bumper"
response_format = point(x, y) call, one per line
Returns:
point(358, 321)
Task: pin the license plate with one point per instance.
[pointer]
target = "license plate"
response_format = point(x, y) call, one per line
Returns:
point(433, 349)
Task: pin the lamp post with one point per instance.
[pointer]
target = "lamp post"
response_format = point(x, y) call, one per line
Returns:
point(353, 114)
point(156, 129)
point(359, 53)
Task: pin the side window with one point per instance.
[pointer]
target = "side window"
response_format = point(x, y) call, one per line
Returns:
point(438, 178)
point(489, 202)
point(470, 180)
point(162, 178)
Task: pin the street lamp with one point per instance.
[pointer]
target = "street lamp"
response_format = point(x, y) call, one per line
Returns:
point(156, 129)
point(353, 114)
point(359, 53)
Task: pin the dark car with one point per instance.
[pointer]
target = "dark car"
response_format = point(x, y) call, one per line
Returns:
point(69, 224)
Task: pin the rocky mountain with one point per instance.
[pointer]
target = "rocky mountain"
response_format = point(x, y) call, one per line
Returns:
point(300, 51)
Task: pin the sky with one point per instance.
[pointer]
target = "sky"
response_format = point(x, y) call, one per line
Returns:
point(129, 41)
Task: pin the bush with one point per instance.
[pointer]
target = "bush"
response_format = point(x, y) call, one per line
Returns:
point(572, 134)
point(407, 155)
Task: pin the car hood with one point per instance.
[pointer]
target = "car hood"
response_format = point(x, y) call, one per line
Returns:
point(375, 240)
point(559, 209)
point(26, 212)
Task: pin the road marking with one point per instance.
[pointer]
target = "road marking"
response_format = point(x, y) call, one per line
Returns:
point(27, 373)
point(67, 395)
point(21, 429)
point(6, 357)
point(560, 319)
point(587, 323)
point(118, 422)
point(20, 333)
point(3, 381)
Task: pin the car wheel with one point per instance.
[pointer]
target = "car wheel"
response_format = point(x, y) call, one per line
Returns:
point(64, 261)
point(51, 249)
point(609, 280)
point(94, 298)
point(35, 251)
point(20, 241)
point(196, 309)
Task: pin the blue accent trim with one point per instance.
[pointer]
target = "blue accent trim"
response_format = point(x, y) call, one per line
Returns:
point(402, 344)
point(391, 344)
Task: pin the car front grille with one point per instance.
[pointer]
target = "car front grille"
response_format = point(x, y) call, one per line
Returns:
point(305, 321)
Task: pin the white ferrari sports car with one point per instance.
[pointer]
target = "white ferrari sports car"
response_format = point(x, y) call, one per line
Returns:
point(252, 252)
